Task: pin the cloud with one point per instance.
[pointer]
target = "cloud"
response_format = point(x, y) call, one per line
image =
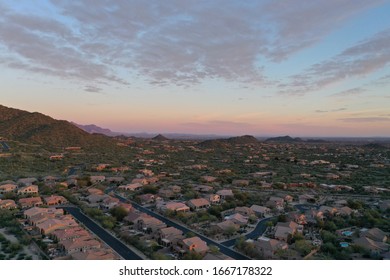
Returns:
point(350, 92)
point(92, 89)
point(333, 110)
point(173, 42)
point(368, 119)
point(366, 57)
point(302, 24)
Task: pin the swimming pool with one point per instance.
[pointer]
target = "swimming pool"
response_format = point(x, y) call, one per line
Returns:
point(347, 233)
point(344, 244)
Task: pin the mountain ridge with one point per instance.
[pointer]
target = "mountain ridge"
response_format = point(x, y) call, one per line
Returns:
point(37, 128)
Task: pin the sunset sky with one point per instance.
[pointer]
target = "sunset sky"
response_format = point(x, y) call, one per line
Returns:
point(267, 67)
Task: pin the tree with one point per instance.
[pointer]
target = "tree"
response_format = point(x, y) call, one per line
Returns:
point(282, 218)
point(119, 213)
point(190, 234)
point(303, 247)
point(159, 256)
point(230, 230)
point(193, 256)
point(214, 249)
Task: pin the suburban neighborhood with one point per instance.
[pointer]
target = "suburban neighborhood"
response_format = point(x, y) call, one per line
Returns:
point(174, 199)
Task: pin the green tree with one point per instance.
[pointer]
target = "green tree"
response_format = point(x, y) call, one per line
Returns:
point(119, 213)
point(230, 230)
point(303, 247)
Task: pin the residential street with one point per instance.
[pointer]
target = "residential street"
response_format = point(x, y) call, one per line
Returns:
point(117, 245)
point(223, 248)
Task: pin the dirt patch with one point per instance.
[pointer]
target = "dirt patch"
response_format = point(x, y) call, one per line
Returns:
point(26, 252)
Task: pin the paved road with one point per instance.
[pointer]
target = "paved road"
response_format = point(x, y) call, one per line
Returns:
point(256, 233)
point(262, 225)
point(222, 248)
point(113, 242)
point(6, 148)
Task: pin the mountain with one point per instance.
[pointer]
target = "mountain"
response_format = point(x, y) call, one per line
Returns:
point(284, 139)
point(160, 137)
point(221, 143)
point(37, 128)
point(246, 139)
point(92, 128)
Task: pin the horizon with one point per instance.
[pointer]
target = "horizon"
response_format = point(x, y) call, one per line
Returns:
point(223, 68)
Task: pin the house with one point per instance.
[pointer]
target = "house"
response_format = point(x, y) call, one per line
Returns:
point(375, 234)
point(109, 202)
point(30, 189)
point(141, 181)
point(147, 198)
point(241, 183)
point(81, 244)
point(268, 247)
point(176, 207)
point(30, 202)
point(260, 211)
point(225, 193)
point(340, 203)
point(26, 181)
point(97, 179)
point(198, 204)
point(49, 225)
point(7, 188)
point(175, 189)
point(203, 188)
point(127, 206)
point(131, 187)
point(208, 179)
point(374, 247)
point(96, 198)
point(299, 218)
point(55, 200)
point(169, 236)
point(193, 244)
point(284, 230)
point(132, 217)
point(69, 233)
point(95, 191)
point(7, 204)
point(101, 166)
point(313, 215)
point(327, 210)
point(226, 226)
point(152, 180)
point(147, 172)
point(238, 219)
point(276, 202)
point(52, 212)
point(50, 180)
point(149, 224)
point(166, 193)
point(288, 198)
point(306, 198)
point(115, 180)
point(245, 211)
point(214, 198)
point(345, 211)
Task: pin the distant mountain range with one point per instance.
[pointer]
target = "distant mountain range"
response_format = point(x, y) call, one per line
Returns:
point(286, 139)
point(37, 128)
point(160, 137)
point(92, 128)
point(215, 143)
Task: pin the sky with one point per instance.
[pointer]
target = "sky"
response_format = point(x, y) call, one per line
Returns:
point(229, 67)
